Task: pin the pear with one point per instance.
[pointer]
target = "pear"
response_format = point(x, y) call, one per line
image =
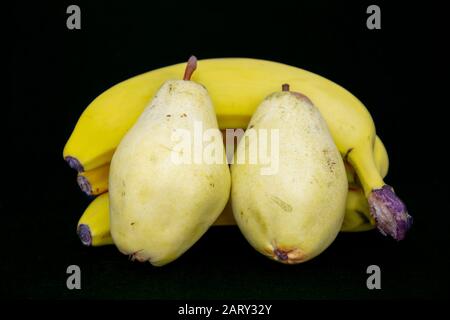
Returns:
point(160, 202)
point(294, 211)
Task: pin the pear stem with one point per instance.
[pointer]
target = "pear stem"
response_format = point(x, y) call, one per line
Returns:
point(286, 88)
point(190, 68)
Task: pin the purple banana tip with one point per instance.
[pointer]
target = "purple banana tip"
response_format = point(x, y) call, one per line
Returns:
point(74, 163)
point(389, 212)
point(84, 233)
point(84, 185)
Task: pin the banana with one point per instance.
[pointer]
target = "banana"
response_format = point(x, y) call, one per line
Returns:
point(237, 86)
point(381, 157)
point(357, 212)
point(93, 226)
point(95, 181)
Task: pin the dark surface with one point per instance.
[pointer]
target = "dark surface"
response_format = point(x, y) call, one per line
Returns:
point(56, 73)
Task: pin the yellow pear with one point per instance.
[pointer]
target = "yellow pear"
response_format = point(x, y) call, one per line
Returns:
point(162, 198)
point(290, 205)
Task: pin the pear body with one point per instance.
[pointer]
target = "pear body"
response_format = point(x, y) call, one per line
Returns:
point(160, 206)
point(293, 213)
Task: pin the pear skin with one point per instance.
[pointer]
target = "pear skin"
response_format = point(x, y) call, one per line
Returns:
point(294, 213)
point(158, 207)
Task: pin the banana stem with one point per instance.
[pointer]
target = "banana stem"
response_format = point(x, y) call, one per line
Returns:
point(190, 68)
point(386, 208)
point(285, 87)
point(389, 212)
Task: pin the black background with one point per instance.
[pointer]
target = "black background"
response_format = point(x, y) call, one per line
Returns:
point(398, 72)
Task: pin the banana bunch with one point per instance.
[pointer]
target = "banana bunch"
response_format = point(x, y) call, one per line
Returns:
point(236, 87)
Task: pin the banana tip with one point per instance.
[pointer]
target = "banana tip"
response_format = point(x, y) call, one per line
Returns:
point(389, 212)
point(84, 233)
point(84, 185)
point(74, 163)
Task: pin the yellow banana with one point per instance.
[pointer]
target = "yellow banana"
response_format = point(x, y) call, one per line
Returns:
point(237, 86)
point(93, 226)
point(95, 181)
point(381, 159)
point(357, 212)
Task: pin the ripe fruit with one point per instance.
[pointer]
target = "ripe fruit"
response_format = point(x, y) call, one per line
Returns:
point(160, 208)
point(290, 216)
point(93, 226)
point(95, 181)
point(236, 86)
